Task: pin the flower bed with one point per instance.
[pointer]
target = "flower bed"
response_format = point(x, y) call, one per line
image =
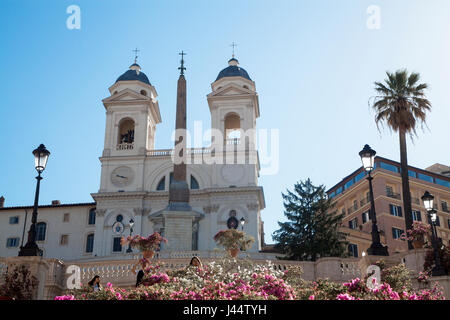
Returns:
point(231, 279)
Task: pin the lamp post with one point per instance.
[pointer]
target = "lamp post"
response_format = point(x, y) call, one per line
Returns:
point(129, 250)
point(368, 158)
point(242, 223)
point(41, 155)
point(428, 202)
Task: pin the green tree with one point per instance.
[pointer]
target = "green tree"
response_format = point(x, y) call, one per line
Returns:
point(401, 103)
point(313, 227)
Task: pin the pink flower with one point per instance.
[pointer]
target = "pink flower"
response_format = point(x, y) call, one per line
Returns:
point(312, 297)
point(344, 296)
point(66, 297)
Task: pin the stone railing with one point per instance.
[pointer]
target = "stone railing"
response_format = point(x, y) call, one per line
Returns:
point(125, 146)
point(54, 275)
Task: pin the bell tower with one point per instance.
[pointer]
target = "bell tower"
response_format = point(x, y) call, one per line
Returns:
point(234, 108)
point(132, 113)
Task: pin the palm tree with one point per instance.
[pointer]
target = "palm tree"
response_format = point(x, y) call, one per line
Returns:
point(401, 103)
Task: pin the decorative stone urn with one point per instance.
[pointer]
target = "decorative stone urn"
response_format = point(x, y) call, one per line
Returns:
point(233, 252)
point(148, 254)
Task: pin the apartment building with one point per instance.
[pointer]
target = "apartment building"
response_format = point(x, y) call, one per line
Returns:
point(352, 198)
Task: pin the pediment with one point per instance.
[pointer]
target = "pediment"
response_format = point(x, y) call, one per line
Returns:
point(230, 90)
point(125, 95)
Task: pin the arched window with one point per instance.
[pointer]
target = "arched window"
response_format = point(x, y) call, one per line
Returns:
point(232, 126)
point(194, 183)
point(119, 218)
point(41, 228)
point(161, 185)
point(126, 131)
point(91, 219)
point(90, 243)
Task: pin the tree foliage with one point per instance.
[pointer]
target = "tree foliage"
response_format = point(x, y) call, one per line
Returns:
point(312, 229)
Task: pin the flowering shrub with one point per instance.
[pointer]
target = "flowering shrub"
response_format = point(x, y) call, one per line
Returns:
point(19, 284)
point(152, 242)
point(231, 279)
point(418, 232)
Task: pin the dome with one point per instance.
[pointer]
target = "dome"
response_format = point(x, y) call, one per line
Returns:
point(233, 70)
point(134, 73)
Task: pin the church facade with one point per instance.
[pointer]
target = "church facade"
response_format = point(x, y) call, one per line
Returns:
point(136, 178)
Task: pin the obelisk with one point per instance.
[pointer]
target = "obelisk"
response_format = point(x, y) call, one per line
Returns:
point(179, 189)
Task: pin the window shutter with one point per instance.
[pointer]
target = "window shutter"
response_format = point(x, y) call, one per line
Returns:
point(419, 216)
point(399, 210)
point(364, 217)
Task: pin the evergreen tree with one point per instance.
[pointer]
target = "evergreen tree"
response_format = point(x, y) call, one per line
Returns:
point(313, 227)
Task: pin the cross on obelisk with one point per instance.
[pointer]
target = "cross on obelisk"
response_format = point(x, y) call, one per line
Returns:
point(135, 54)
point(233, 45)
point(182, 68)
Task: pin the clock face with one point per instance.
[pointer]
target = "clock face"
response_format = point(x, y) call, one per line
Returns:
point(122, 176)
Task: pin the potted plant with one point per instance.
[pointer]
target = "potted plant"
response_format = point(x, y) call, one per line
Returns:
point(146, 245)
point(234, 240)
point(417, 234)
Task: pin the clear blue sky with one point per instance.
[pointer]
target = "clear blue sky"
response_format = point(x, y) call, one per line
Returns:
point(314, 63)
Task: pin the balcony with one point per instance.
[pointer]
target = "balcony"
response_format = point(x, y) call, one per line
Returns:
point(125, 146)
point(393, 195)
point(364, 201)
point(233, 141)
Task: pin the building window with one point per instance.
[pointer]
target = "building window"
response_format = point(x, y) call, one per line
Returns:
point(90, 243)
point(41, 228)
point(388, 166)
point(355, 205)
point(360, 176)
point(444, 206)
point(117, 247)
point(353, 224)
point(353, 250)
point(448, 223)
point(396, 210)
point(12, 242)
point(161, 185)
point(119, 218)
point(13, 220)
point(194, 183)
point(91, 219)
point(339, 191)
point(365, 216)
point(348, 184)
point(416, 215)
point(389, 191)
point(397, 233)
point(443, 182)
point(424, 177)
point(412, 174)
point(66, 217)
point(64, 240)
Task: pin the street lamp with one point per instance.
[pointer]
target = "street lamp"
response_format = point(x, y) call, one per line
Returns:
point(242, 223)
point(129, 250)
point(41, 155)
point(367, 155)
point(428, 202)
